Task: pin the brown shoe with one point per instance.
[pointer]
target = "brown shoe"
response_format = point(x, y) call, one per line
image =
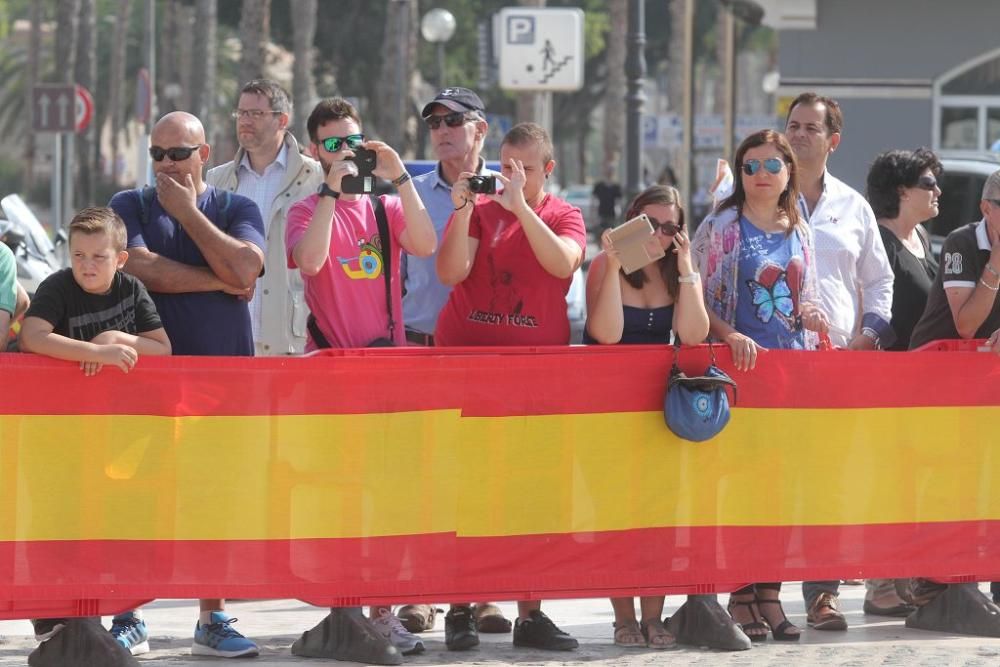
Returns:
point(489, 619)
point(824, 615)
point(417, 617)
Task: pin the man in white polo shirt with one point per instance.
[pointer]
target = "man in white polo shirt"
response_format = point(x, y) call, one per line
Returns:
point(854, 275)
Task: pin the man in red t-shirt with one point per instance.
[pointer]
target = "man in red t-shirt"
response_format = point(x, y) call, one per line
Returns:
point(510, 256)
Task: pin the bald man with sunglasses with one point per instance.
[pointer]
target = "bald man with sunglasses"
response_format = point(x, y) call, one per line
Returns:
point(198, 251)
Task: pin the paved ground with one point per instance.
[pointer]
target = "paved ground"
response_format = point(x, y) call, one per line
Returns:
point(275, 625)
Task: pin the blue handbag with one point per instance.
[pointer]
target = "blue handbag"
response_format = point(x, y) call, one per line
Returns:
point(697, 408)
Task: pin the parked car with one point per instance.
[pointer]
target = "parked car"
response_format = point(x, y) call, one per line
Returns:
point(961, 188)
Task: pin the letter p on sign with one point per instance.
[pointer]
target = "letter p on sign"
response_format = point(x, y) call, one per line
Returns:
point(520, 29)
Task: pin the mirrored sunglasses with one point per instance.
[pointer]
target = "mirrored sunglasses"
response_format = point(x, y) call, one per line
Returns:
point(453, 119)
point(927, 183)
point(772, 165)
point(333, 144)
point(176, 153)
point(668, 228)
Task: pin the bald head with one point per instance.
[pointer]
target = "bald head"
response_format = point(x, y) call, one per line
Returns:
point(181, 122)
point(179, 129)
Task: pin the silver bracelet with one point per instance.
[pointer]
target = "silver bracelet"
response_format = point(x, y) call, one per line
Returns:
point(989, 267)
point(690, 278)
point(988, 286)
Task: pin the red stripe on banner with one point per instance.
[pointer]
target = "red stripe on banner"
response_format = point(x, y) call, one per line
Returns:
point(442, 567)
point(490, 382)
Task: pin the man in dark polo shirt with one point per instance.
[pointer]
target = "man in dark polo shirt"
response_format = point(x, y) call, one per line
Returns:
point(963, 300)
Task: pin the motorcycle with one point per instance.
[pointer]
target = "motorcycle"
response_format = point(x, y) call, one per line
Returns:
point(36, 254)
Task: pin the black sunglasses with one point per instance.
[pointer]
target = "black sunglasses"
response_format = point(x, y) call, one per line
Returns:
point(176, 154)
point(333, 144)
point(668, 228)
point(453, 119)
point(926, 183)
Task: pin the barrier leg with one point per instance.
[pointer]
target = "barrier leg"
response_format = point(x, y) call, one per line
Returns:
point(82, 643)
point(701, 621)
point(345, 634)
point(958, 609)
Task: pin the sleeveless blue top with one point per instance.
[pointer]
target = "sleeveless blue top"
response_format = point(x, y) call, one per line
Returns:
point(643, 326)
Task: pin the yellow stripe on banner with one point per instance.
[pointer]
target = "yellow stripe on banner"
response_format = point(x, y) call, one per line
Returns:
point(281, 477)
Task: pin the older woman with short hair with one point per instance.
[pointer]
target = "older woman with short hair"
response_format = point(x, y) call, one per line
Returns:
point(903, 191)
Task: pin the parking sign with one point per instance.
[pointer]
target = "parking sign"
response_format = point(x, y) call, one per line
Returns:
point(540, 48)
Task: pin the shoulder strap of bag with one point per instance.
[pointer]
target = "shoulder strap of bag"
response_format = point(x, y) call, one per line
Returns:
point(314, 331)
point(383, 232)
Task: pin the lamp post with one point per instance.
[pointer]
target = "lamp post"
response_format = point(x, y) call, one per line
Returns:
point(437, 27)
point(635, 99)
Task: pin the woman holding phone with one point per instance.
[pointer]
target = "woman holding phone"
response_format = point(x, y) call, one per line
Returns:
point(658, 300)
point(646, 306)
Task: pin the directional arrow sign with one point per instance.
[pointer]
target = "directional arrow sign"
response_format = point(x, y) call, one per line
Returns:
point(53, 108)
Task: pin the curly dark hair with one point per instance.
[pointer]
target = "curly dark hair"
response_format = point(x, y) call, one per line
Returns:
point(894, 170)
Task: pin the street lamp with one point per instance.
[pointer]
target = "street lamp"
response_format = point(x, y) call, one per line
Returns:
point(437, 27)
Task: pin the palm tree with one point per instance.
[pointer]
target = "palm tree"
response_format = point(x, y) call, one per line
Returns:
point(34, 52)
point(303, 83)
point(392, 89)
point(115, 108)
point(255, 31)
point(614, 96)
point(203, 66)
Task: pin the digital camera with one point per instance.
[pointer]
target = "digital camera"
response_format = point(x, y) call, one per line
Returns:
point(483, 185)
point(364, 182)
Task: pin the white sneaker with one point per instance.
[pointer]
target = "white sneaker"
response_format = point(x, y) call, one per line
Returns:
point(389, 627)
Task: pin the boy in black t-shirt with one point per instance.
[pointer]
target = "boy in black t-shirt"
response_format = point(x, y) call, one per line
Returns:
point(94, 313)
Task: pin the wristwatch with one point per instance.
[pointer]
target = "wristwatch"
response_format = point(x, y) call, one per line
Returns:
point(326, 191)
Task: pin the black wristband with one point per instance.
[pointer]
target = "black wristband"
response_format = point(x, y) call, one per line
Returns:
point(402, 179)
point(459, 208)
point(326, 191)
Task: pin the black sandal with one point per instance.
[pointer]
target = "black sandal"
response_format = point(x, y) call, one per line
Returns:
point(781, 633)
point(756, 624)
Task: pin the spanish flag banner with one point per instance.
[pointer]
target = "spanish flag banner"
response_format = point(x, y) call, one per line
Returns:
point(417, 474)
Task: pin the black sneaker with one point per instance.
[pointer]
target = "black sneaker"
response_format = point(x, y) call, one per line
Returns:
point(460, 632)
point(539, 632)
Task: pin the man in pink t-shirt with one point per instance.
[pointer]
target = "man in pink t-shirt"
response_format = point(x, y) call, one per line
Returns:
point(333, 238)
point(510, 259)
point(511, 256)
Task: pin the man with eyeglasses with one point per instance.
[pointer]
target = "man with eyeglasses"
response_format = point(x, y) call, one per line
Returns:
point(853, 272)
point(198, 252)
point(457, 125)
point(270, 169)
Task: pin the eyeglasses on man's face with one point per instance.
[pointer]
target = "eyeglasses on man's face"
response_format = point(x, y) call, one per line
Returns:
point(175, 153)
point(254, 114)
point(772, 165)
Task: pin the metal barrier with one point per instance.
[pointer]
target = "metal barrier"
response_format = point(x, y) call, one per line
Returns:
point(410, 474)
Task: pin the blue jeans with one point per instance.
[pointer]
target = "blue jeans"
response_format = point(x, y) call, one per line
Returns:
point(812, 589)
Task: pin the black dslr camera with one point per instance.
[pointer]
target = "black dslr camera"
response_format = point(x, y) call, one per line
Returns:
point(483, 185)
point(364, 182)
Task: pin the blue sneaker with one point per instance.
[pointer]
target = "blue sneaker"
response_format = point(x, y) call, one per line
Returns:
point(219, 639)
point(130, 631)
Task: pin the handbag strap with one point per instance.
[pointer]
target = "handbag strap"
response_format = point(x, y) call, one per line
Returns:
point(382, 221)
